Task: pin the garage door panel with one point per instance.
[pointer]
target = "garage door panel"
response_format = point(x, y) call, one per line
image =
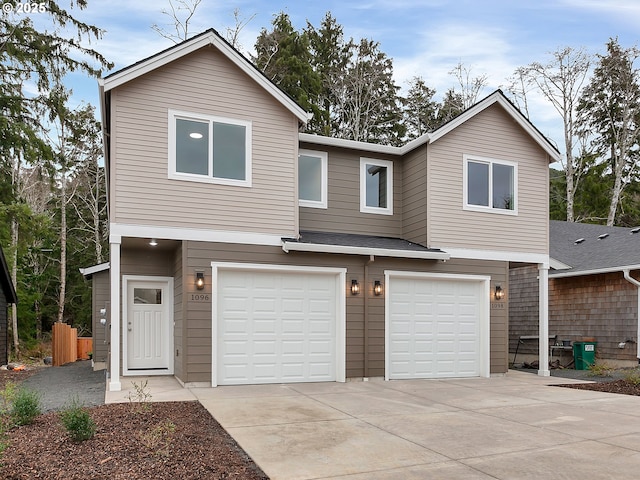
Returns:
point(288, 326)
point(434, 327)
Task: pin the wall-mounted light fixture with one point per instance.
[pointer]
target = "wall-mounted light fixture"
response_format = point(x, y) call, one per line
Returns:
point(199, 280)
point(355, 287)
point(153, 242)
point(498, 293)
point(377, 288)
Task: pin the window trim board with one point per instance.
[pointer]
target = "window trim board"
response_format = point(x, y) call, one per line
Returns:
point(324, 159)
point(364, 208)
point(465, 187)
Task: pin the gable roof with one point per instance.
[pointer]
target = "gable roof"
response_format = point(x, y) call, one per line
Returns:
point(5, 281)
point(206, 38)
point(496, 97)
point(592, 249)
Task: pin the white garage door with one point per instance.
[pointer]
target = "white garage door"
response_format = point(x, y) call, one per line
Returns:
point(435, 328)
point(276, 327)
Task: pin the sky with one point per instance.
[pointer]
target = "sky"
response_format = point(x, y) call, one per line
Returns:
point(426, 38)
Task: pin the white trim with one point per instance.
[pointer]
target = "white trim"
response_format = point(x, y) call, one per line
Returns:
point(495, 97)
point(174, 115)
point(503, 256)
point(197, 235)
point(633, 281)
point(466, 159)
point(168, 296)
point(595, 271)
point(210, 38)
point(364, 208)
point(350, 144)
point(485, 318)
point(324, 160)
point(367, 251)
point(499, 98)
point(114, 317)
point(86, 272)
point(558, 265)
point(543, 320)
point(341, 315)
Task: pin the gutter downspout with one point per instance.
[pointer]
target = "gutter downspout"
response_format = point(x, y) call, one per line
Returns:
point(630, 279)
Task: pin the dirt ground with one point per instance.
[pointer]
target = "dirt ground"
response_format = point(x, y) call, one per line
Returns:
point(174, 440)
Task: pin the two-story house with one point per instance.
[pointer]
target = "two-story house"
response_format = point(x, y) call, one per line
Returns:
point(243, 251)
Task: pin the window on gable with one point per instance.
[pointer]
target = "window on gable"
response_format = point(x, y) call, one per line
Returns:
point(312, 179)
point(209, 149)
point(376, 186)
point(490, 185)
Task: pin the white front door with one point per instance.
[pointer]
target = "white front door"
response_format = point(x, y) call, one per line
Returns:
point(148, 326)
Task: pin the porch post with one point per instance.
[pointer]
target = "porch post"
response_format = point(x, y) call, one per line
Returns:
point(543, 322)
point(114, 321)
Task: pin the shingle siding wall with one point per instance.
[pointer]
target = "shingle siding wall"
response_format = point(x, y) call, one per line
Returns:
point(600, 306)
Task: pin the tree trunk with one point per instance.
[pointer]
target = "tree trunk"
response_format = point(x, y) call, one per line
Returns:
point(14, 279)
point(63, 245)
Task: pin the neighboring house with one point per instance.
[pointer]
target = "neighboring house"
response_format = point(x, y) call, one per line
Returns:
point(7, 297)
point(593, 291)
point(244, 252)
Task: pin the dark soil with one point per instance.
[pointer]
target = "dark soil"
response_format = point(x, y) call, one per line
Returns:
point(621, 386)
point(173, 440)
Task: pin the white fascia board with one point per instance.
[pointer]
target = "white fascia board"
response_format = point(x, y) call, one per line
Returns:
point(351, 144)
point(349, 250)
point(596, 271)
point(517, 116)
point(94, 269)
point(558, 265)
point(497, 255)
point(197, 235)
point(185, 48)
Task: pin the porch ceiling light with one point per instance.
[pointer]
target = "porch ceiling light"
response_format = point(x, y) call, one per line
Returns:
point(499, 293)
point(377, 288)
point(153, 242)
point(199, 280)
point(355, 287)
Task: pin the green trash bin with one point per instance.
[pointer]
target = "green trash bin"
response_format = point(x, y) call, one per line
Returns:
point(584, 354)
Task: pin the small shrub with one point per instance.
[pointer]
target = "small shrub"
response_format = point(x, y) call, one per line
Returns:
point(7, 396)
point(632, 376)
point(601, 369)
point(140, 401)
point(159, 438)
point(25, 406)
point(78, 422)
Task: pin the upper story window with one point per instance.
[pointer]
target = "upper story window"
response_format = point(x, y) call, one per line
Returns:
point(376, 186)
point(211, 149)
point(490, 185)
point(312, 179)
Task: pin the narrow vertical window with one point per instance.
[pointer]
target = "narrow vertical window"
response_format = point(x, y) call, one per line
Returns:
point(376, 186)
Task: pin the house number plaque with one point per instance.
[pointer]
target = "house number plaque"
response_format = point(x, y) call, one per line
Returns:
point(497, 306)
point(199, 297)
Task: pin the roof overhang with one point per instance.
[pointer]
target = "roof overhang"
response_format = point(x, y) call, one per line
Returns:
point(210, 37)
point(597, 271)
point(295, 246)
point(87, 272)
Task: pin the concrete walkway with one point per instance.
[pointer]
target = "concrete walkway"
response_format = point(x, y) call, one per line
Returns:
point(510, 427)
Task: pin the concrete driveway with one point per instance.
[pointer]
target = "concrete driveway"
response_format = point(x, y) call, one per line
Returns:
point(510, 427)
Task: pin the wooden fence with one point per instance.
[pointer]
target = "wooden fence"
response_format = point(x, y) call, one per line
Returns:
point(65, 344)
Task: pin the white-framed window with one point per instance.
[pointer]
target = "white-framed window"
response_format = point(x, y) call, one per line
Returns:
point(490, 185)
point(376, 186)
point(312, 178)
point(211, 149)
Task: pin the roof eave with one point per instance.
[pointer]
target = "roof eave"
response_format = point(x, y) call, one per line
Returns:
point(367, 251)
point(209, 38)
point(596, 271)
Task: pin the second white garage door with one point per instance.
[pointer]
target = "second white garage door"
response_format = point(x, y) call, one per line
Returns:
point(276, 326)
point(437, 327)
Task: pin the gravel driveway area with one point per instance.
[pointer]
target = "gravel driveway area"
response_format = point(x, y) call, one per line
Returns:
point(58, 386)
